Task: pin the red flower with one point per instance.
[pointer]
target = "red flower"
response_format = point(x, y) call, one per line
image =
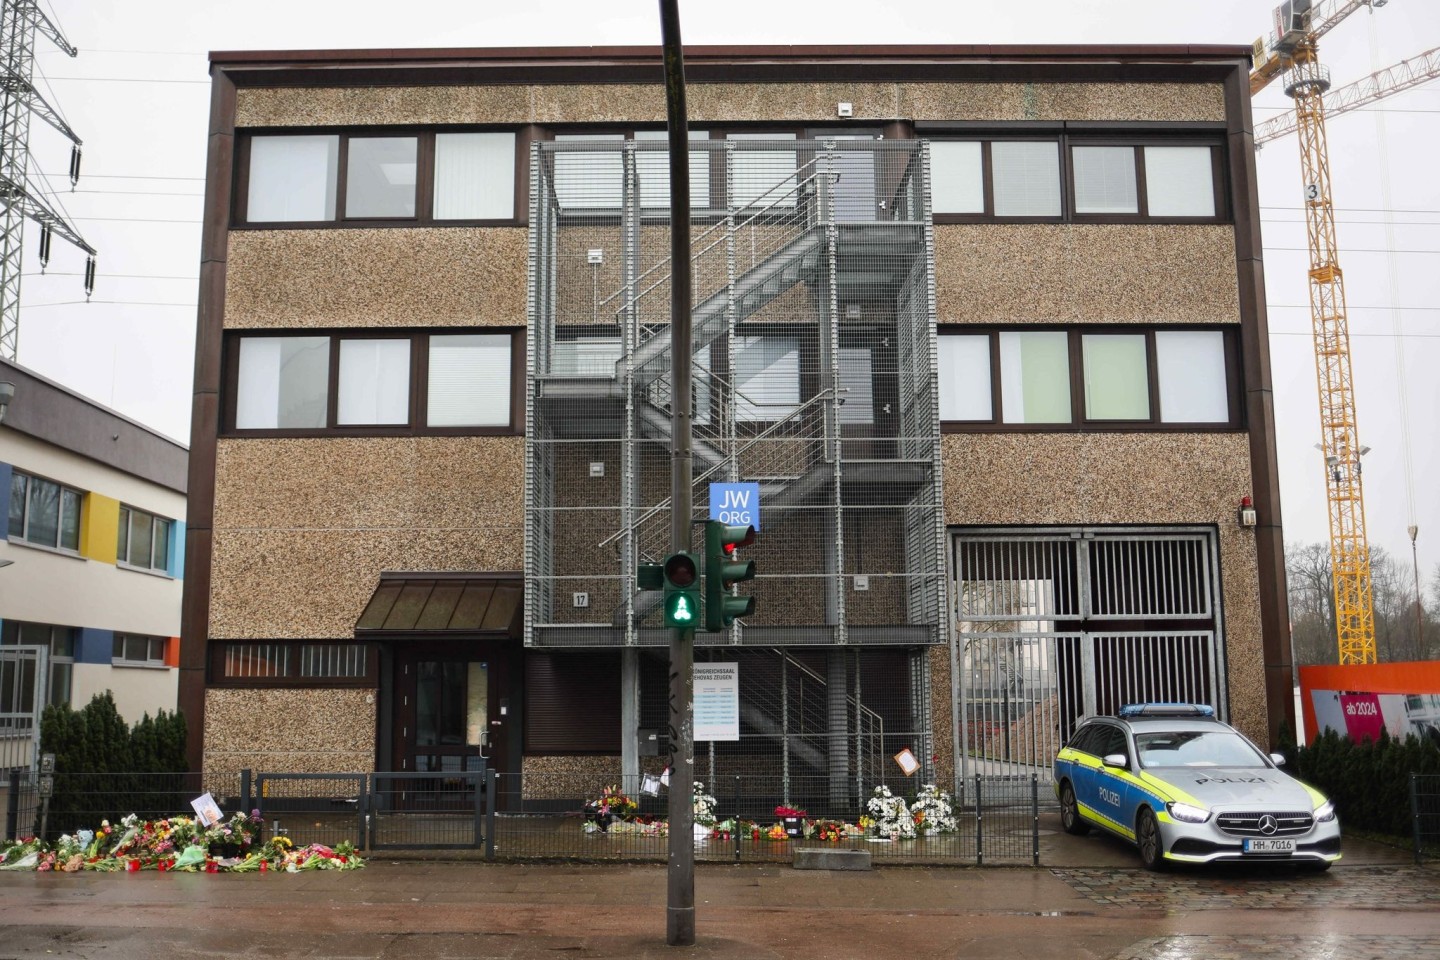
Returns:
point(132, 866)
point(212, 867)
point(264, 867)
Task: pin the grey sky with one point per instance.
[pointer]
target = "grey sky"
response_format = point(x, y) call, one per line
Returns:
point(138, 96)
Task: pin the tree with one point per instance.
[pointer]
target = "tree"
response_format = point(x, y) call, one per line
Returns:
point(1312, 603)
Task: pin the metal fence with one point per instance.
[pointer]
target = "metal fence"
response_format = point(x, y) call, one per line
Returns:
point(996, 821)
point(1425, 814)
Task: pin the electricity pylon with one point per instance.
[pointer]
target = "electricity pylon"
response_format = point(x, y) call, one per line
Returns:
point(20, 21)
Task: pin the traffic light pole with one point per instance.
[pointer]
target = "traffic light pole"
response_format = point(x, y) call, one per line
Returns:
point(680, 893)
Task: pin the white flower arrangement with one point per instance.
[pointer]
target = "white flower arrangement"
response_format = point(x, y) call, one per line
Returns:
point(932, 811)
point(704, 806)
point(891, 815)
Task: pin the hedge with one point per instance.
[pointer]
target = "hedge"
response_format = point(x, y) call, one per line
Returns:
point(1369, 781)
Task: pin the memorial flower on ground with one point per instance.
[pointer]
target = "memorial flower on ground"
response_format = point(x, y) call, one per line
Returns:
point(891, 815)
point(932, 811)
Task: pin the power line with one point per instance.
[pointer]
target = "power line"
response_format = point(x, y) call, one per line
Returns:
point(1306, 306)
point(151, 276)
point(127, 176)
point(129, 80)
point(1405, 336)
point(135, 220)
point(110, 303)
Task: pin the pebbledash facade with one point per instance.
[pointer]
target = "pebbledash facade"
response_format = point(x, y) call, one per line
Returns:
point(984, 327)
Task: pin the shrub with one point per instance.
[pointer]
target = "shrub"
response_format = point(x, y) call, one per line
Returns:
point(1369, 781)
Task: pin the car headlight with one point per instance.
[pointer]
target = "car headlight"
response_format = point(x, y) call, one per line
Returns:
point(1185, 813)
point(1325, 812)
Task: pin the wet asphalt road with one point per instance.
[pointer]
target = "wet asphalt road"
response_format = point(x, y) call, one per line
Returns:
point(1091, 901)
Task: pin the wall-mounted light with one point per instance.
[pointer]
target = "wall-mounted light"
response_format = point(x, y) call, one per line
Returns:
point(1247, 511)
point(7, 393)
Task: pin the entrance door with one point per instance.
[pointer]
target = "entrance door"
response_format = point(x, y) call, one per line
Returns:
point(448, 716)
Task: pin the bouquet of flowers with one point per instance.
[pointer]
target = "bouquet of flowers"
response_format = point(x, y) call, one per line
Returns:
point(891, 816)
point(704, 806)
point(932, 811)
point(612, 802)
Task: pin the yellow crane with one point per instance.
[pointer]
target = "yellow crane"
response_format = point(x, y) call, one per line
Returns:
point(1291, 52)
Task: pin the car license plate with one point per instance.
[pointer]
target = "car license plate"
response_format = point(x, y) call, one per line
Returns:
point(1268, 845)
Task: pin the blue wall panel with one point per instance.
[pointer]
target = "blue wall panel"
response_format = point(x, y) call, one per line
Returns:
point(94, 646)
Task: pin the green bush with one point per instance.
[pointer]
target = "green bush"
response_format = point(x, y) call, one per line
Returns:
point(1369, 781)
point(105, 768)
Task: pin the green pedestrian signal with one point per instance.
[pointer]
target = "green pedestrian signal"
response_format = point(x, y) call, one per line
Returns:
point(681, 576)
point(723, 569)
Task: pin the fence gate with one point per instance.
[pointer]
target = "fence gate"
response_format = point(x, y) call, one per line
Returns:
point(1053, 625)
point(326, 808)
point(22, 698)
point(428, 811)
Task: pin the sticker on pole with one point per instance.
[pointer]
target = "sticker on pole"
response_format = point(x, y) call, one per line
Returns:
point(737, 504)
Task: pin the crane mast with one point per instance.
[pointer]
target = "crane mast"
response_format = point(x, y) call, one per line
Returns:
point(1299, 24)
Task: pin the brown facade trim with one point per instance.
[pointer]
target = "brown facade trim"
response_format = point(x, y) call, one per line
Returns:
point(1260, 408)
point(699, 54)
point(602, 65)
point(205, 415)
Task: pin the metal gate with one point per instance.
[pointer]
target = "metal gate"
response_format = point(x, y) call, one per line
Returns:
point(428, 811)
point(22, 698)
point(1057, 625)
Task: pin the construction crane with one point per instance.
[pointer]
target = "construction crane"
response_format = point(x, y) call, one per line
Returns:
point(1380, 84)
point(20, 21)
point(1291, 51)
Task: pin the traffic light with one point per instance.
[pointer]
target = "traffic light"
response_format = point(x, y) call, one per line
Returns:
point(682, 591)
point(722, 570)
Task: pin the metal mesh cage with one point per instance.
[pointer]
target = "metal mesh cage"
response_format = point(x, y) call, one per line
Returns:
point(814, 357)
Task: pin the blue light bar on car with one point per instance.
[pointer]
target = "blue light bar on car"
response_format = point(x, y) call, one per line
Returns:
point(1167, 710)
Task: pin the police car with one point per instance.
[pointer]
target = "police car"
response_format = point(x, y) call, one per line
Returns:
point(1184, 787)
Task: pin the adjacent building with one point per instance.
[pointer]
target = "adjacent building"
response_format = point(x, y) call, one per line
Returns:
point(980, 329)
point(90, 559)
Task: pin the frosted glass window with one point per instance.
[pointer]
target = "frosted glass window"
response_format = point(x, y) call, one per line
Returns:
point(1026, 177)
point(654, 169)
point(858, 385)
point(1035, 377)
point(1117, 378)
point(282, 383)
point(474, 176)
point(1105, 180)
point(292, 179)
point(589, 179)
point(965, 391)
point(1190, 365)
point(957, 177)
point(374, 382)
point(1179, 182)
point(763, 178)
point(380, 177)
point(469, 382)
point(767, 378)
point(585, 357)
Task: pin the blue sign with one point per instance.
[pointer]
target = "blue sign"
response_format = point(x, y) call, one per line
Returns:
point(737, 504)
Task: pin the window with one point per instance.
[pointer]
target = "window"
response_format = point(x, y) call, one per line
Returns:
point(377, 177)
point(594, 179)
point(465, 372)
point(282, 383)
point(44, 513)
point(1151, 181)
point(144, 540)
point(965, 392)
point(1070, 176)
point(1034, 377)
point(1117, 379)
point(763, 178)
point(131, 650)
point(293, 179)
point(380, 177)
point(767, 378)
point(403, 382)
point(470, 169)
point(374, 381)
point(957, 177)
point(291, 663)
point(1026, 178)
point(61, 644)
point(1106, 378)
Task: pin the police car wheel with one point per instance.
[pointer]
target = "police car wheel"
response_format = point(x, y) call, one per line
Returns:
point(1070, 812)
point(1147, 838)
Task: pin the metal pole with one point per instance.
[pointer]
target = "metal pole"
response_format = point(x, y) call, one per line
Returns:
point(1420, 652)
point(680, 893)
